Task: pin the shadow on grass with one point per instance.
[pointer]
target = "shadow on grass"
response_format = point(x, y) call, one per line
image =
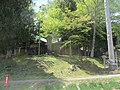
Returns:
point(28, 69)
point(89, 67)
point(84, 64)
point(25, 68)
point(47, 85)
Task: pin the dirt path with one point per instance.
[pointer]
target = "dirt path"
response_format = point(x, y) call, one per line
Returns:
point(67, 79)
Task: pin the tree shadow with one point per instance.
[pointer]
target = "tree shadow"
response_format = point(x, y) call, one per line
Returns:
point(84, 64)
point(29, 68)
point(22, 68)
point(89, 67)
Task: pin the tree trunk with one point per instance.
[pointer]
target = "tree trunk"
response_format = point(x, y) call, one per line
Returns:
point(118, 40)
point(15, 52)
point(94, 35)
point(9, 54)
point(109, 36)
point(70, 49)
point(78, 51)
point(39, 47)
point(85, 51)
point(19, 51)
point(65, 51)
point(109, 32)
point(96, 9)
point(49, 43)
point(93, 41)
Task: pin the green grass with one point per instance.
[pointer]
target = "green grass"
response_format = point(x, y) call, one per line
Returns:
point(100, 85)
point(34, 86)
point(34, 67)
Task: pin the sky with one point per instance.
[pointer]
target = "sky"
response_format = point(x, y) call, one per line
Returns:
point(116, 14)
point(38, 3)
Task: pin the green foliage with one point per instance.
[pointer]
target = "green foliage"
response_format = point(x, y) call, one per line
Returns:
point(65, 23)
point(114, 5)
point(116, 33)
point(52, 21)
point(68, 4)
point(16, 23)
point(76, 21)
point(114, 9)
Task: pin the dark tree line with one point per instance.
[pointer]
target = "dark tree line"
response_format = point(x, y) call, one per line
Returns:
point(16, 23)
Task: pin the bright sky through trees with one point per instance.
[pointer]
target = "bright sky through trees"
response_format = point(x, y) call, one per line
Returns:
point(38, 3)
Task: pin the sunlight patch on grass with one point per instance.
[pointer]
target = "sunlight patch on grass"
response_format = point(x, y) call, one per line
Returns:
point(61, 68)
point(96, 62)
point(34, 67)
point(58, 67)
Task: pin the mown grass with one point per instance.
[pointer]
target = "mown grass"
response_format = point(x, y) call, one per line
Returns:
point(34, 67)
point(46, 67)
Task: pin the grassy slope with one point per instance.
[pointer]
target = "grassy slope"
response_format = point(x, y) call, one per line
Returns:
point(85, 67)
point(26, 67)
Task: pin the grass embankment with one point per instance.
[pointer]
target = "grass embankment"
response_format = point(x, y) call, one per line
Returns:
point(33, 67)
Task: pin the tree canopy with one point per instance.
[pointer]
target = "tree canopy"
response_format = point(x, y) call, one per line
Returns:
point(77, 23)
point(16, 23)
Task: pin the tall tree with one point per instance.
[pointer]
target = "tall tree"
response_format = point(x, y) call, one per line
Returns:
point(109, 36)
point(93, 8)
point(16, 23)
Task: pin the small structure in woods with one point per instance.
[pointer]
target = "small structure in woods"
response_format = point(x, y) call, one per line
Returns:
point(107, 61)
point(33, 47)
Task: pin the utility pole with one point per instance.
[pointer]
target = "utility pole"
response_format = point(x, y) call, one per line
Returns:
point(109, 36)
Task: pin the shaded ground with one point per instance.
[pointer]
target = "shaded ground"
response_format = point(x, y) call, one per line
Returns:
point(48, 72)
point(25, 68)
point(91, 66)
point(95, 83)
point(47, 67)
